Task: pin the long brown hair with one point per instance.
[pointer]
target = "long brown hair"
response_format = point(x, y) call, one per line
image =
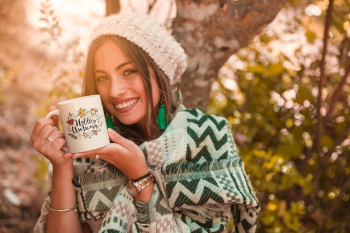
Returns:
point(144, 64)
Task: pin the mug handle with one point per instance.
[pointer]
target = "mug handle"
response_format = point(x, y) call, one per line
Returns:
point(57, 113)
point(52, 113)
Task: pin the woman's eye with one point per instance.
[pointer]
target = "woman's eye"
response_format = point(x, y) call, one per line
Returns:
point(129, 72)
point(101, 78)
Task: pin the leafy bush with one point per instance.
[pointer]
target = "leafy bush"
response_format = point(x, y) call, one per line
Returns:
point(269, 93)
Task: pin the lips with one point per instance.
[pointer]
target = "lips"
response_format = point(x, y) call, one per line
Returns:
point(125, 105)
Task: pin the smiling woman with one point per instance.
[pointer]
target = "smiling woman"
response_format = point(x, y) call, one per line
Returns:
point(120, 73)
point(122, 88)
point(181, 176)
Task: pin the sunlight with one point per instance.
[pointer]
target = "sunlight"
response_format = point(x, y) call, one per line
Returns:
point(312, 10)
point(76, 18)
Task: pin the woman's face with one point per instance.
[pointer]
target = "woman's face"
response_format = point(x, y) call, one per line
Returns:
point(120, 85)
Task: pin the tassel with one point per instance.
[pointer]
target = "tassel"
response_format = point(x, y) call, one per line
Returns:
point(161, 119)
point(109, 122)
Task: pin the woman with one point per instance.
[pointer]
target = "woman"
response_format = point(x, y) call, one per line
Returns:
point(167, 169)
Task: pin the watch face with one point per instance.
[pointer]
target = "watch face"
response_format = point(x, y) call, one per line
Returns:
point(131, 189)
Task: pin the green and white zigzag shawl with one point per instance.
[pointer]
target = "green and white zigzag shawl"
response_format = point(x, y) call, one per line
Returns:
point(201, 182)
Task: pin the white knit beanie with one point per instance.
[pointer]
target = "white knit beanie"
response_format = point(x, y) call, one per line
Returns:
point(150, 36)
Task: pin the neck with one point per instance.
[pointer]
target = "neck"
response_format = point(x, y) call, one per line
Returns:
point(154, 132)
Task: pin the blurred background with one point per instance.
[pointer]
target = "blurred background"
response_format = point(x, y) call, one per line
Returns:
point(285, 92)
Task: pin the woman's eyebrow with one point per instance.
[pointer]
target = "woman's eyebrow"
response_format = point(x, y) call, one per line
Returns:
point(118, 67)
point(123, 64)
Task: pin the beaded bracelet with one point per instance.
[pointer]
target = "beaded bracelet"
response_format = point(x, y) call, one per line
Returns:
point(63, 210)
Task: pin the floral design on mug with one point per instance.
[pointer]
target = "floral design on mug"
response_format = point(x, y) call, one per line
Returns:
point(84, 123)
point(82, 113)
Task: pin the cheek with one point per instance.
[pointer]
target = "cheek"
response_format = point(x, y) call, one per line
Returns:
point(103, 92)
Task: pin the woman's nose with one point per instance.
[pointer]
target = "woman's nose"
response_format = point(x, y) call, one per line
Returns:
point(118, 87)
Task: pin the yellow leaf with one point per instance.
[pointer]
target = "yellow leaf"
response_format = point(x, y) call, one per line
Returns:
point(289, 123)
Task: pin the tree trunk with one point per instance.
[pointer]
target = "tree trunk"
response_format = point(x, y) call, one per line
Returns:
point(210, 32)
point(112, 7)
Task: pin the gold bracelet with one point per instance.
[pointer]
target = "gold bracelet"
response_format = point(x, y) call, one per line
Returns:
point(63, 210)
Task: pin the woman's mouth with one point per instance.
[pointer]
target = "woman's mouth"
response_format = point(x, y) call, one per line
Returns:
point(126, 105)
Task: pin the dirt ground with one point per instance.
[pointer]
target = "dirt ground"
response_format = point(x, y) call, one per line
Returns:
point(20, 196)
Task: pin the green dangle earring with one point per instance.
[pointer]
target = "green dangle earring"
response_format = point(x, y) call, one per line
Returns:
point(161, 118)
point(109, 122)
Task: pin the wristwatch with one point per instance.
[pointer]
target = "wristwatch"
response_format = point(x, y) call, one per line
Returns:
point(135, 187)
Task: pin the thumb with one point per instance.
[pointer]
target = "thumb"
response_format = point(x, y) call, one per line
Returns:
point(54, 118)
point(117, 138)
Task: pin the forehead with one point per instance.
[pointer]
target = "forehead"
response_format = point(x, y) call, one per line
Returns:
point(110, 52)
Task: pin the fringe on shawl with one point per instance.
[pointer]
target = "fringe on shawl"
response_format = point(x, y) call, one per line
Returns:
point(98, 177)
point(190, 167)
point(207, 211)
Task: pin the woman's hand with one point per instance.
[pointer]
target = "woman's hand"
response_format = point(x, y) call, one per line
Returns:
point(45, 129)
point(123, 154)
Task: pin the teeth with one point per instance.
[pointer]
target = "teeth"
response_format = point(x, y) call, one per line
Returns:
point(126, 104)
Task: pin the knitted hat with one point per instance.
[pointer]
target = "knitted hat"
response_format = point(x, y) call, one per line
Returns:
point(150, 36)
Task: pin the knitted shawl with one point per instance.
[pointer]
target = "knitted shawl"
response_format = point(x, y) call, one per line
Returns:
point(200, 183)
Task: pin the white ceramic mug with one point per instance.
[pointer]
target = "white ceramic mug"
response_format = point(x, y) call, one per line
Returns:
point(83, 122)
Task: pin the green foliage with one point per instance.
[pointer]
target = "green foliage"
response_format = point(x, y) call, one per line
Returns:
point(275, 107)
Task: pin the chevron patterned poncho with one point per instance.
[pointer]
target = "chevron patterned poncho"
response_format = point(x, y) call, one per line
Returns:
point(200, 183)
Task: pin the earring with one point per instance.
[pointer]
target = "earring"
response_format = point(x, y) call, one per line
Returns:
point(161, 119)
point(109, 122)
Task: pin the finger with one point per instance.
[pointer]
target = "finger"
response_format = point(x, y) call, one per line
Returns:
point(65, 148)
point(42, 143)
point(54, 118)
point(117, 138)
point(39, 126)
point(56, 134)
point(46, 132)
point(109, 150)
point(68, 155)
point(91, 154)
point(57, 145)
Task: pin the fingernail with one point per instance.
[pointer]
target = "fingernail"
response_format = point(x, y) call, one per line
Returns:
point(65, 149)
point(111, 131)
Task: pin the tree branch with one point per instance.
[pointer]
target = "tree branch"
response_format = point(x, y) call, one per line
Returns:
point(337, 94)
point(337, 142)
point(210, 32)
point(150, 6)
point(112, 7)
point(319, 129)
point(345, 185)
point(172, 5)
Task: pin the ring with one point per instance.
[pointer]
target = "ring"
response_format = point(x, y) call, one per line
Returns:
point(97, 156)
point(48, 138)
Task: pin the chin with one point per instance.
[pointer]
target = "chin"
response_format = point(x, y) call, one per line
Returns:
point(128, 122)
point(130, 118)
